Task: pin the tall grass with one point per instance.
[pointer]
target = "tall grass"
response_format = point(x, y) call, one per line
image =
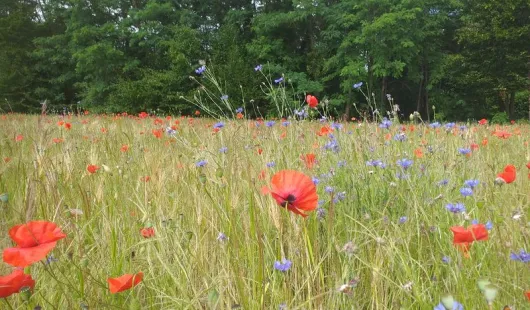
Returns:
point(358, 240)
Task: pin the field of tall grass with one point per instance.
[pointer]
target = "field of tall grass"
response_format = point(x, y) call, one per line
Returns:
point(186, 202)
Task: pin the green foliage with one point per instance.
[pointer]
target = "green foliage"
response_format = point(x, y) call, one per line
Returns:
point(468, 58)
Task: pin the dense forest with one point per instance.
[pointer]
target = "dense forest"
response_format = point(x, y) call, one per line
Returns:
point(452, 59)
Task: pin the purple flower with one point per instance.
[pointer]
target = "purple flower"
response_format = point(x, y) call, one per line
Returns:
point(464, 151)
point(282, 306)
point(403, 220)
point(341, 163)
point(321, 213)
point(405, 163)
point(200, 70)
point(463, 127)
point(286, 123)
point(270, 123)
point(523, 256)
point(400, 137)
point(257, 68)
point(340, 196)
point(223, 150)
point(337, 126)
point(489, 225)
point(466, 191)
point(283, 266)
point(376, 163)
point(224, 97)
point(471, 183)
point(271, 164)
point(219, 125)
point(446, 259)
point(455, 207)
point(315, 180)
point(239, 110)
point(435, 125)
point(357, 85)
point(329, 189)
point(222, 237)
point(170, 131)
point(201, 163)
point(278, 80)
point(302, 113)
point(332, 145)
point(474, 222)
point(443, 182)
point(385, 123)
point(456, 306)
point(449, 126)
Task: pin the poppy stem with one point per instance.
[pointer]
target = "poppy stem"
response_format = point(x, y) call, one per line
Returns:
point(8, 304)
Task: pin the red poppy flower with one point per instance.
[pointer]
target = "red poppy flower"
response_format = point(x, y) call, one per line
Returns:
point(92, 169)
point(528, 165)
point(239, 115)
point(147, 232)
point(124, 148)
point(34, 241)
point(474, 146)
point(418, 153)
point(158, 133)
point(262, 175)
point(68, 126)
point(312, 101)
point(462, 235)
point(143, 115)
point(501, 134)
point(309, 160)
point(295, 191)
point(7, 159)
point(13, 283)
point(527, 295)
point(19, 138)
point(508, 175)
point(197, 113)
point(124, 282)
point(483, 121)
point(484, 141)
point(145, 178)
point(324, 131)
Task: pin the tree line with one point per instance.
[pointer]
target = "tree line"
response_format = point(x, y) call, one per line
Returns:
point(449, 59)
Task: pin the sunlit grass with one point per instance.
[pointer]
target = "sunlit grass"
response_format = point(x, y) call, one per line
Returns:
point(361, 239)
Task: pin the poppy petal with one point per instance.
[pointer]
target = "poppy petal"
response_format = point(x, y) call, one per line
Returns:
point(35, 232)
point(12, 283)
point(23, 257)
point(124, 282)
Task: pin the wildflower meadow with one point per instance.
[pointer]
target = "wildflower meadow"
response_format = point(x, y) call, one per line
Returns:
point(160, 212)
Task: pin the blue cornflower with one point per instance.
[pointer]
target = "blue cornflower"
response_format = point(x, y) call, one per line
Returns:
point(224, 97)
point(270, 123)
point(200, 70)
point(337, 126)
point(323, 119)
point(403, 220)
point(523, 256)
point(219, 125)
point(466, 191)
point(474, 222)
point(357, 85)
point(446, 259)
point(341, 163)
point(471, 183)
point(405, 163)
point(385, 123)
point(283, 266)
point(170, 131)
point(463, 127)
point(201, 163)
point(321, 212)
point(278, 80)
point(50, 259)
point(271, 164)
point(221, 237)
point(464, 151)
point(402, 176)
point(282, 306)
point(340, 196)
point(456, 306)
point(376, 163)
point(435, 125)
point(455, 207)
point(258, 68)
point(400, 137)
point(286, 123)
point(315, 180)
point(239, 110)
point(443, 182)
point(450, 125)
point(329, 189)
point(223, 150)
point(489, 225)
point(332, 145)
point(302, 113)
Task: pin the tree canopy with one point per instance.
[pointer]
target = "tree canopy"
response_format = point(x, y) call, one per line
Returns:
point(466, 59)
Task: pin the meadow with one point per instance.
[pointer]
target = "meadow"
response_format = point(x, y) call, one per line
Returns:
point(409, 216)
